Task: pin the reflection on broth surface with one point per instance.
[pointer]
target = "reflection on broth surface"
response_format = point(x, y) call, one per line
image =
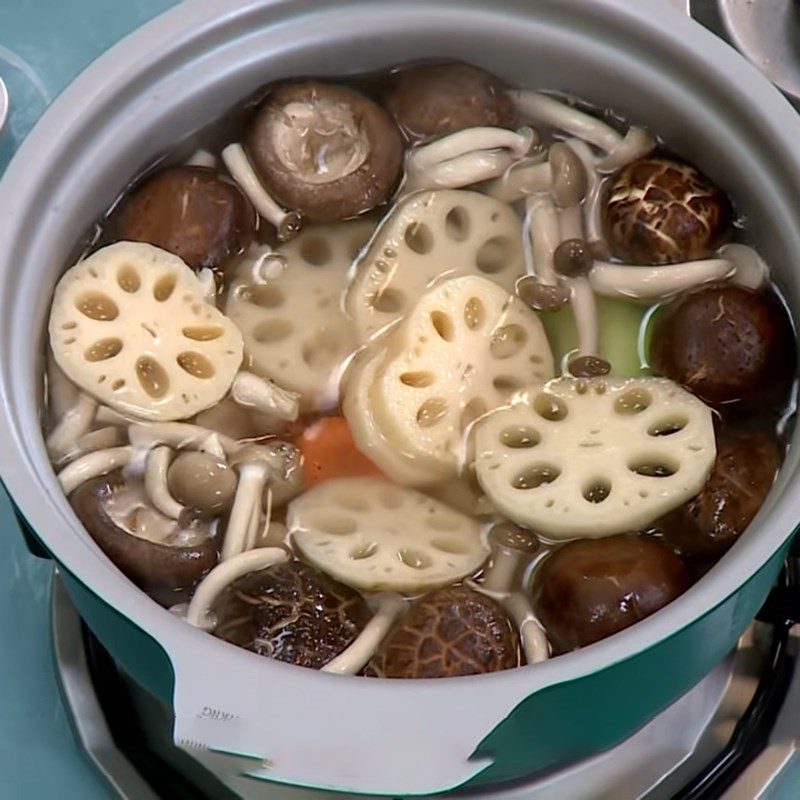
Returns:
point(418, 375)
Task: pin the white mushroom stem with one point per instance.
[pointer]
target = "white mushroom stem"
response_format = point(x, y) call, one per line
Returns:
point(92, 465)
point(521, 179)
point(592, 204)
point(540, 109)
point(545, 236)
point(252, 479)
point(750, 270)
point(62, 393)
point(502, 571)
point(155, 482)
point(202, 158)
point(353, 659)
point(656, 283)
point(224, 574)
point(253, 391)
point(584, 309)
point(73, 424)
point(109, 416)
point(178, 435)
point(637, 143)
point(532, 636)
point(209, 285)
point(241, 170)
point(518, 607)
point(466, 157)
point(100, 439)
point(211, 445)
point(571, 223)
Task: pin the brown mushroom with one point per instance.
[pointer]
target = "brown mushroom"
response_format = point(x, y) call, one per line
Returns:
point(449, 632)
point(726, 344)
point(191, 212)
point(202, 482)
point(292, 613)
point(161, 556)
point(663, 211)
point(436, 99)
point(743, 473)
point(588, 589)
point(326, 151)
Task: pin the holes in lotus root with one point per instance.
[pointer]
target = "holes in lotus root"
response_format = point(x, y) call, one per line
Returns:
point(449, 545)
point(653, 467)
point(322, 349)
point(202, 333)
point(364, 551)
point(414, 558)
point(390, 499)
point(493, 255)
point(472, 410)
point(195, 364)
point(419, 379)
point(443, 325)
point(431, 411)
point(272, 330)
point(519, 437)
point(456, 223)
point(596, 491)
point(668, 426)
point(128, 279)
point(352, 502)
point(634, 401)
point(265, 296)
point(550, 407)
point(103, 349)
point(333, 523)
point(507, 341)
point(315, 251)
point(507, 383)
point(534, 476)
point(442, 522)
point(152, 377)
point(474, 313)
point(418, 237)
point(97, 306)
point(164, 287)
point(389, 301)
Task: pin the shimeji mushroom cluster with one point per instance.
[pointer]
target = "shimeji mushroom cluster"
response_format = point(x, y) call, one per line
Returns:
point(274, 293)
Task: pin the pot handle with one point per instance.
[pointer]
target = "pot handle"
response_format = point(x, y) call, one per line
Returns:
point(254, 721)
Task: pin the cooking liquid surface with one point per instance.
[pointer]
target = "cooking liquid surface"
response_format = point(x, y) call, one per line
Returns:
point(374, 497)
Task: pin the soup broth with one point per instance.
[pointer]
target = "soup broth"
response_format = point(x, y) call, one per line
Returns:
point(418, 375)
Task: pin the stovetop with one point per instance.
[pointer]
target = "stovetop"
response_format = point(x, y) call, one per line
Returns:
point(43, 44)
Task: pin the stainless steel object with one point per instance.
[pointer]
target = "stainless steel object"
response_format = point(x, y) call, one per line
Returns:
point(80, 700)
point(3, 105)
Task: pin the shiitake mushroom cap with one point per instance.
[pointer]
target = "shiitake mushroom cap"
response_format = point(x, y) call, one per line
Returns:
point(453, 631)
point(590, 588)
point(164, 571)
point(664, 211)
point(436, 99)
point(708, 525)
point(324, 150)
point(291, 612)
point(189, 211)
point(726, 344)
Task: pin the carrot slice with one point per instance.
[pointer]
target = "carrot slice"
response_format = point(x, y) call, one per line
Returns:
point(328, 451)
